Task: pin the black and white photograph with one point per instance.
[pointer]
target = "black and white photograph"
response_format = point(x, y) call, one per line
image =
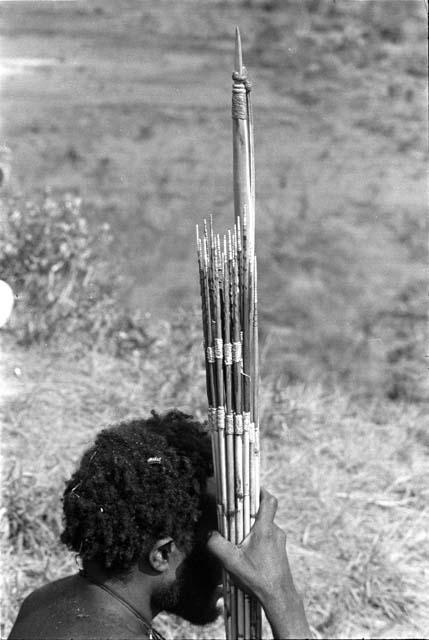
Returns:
point(214, 407)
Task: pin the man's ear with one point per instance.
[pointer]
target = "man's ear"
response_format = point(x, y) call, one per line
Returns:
point(159, 555)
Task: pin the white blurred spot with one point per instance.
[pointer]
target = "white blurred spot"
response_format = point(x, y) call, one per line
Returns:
point(6, 302)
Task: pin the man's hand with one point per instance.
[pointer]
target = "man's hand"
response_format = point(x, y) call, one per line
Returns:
point(259, 565)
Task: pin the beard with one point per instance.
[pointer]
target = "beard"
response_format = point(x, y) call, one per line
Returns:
point(194, 593)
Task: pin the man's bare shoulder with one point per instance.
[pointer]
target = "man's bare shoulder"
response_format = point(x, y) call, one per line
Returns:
point(69, 609)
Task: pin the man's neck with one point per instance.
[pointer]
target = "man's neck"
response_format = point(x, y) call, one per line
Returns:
point(135, 588)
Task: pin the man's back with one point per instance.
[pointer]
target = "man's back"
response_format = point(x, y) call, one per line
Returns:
point(74, 608)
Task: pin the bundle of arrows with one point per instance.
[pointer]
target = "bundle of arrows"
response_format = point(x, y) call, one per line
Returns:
point(228, 282)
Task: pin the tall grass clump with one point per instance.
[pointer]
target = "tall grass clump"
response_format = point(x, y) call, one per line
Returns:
point(65, 291)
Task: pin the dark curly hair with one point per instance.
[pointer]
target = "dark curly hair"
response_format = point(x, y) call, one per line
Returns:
point(142, 480)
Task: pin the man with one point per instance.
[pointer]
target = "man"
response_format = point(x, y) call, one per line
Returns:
point(141, 515)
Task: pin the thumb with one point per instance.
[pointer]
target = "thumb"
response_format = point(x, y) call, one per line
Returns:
point(226, 552)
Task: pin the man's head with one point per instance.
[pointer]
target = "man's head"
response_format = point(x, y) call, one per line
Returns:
point(139, 499)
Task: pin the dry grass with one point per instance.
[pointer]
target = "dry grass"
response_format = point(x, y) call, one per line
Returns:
point(351, 481)
point(354, 496)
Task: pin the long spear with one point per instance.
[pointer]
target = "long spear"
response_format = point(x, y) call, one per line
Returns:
point(244, 213)
point(230, 323)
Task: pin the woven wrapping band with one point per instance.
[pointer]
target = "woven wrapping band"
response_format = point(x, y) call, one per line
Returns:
point(220, 418)
point(210, 354)
point(227, 353)
point(246, 421)
point(238, 424)
point(218, 348)
point(236, 352)
point(229, 424)
point(241, 78)
point(240, 89)
point(239, 103)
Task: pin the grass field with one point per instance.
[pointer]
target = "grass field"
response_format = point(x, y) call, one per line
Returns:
point(352, 483)
point(126, 105)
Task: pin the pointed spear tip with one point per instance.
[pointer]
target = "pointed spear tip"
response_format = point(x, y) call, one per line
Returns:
point(238, 55)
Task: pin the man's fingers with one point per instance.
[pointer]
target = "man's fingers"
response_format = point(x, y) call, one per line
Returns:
point(267, 507)
point(223, 550)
